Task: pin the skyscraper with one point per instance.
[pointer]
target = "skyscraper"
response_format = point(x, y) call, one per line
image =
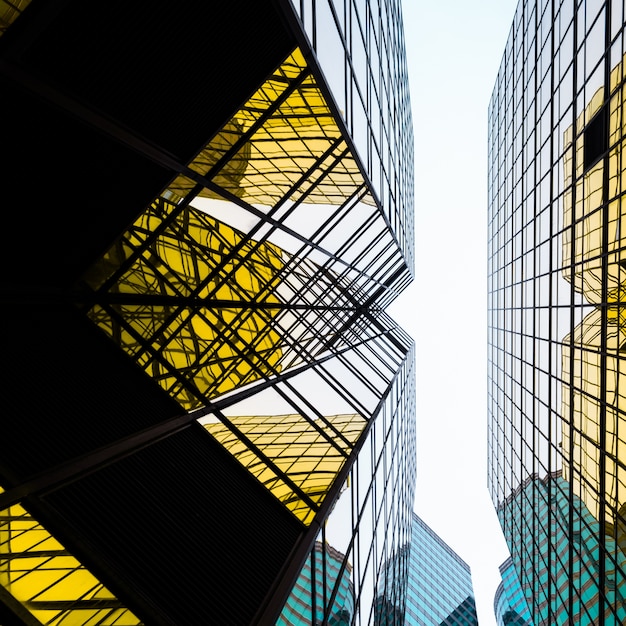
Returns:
point(211, 208)
point(556, 401)
point(440, 591)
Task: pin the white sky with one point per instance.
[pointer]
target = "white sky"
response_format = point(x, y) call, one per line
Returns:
point(454, 50)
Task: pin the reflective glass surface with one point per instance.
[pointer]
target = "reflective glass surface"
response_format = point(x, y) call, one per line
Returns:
point(48, 581)
point(352, 41)
point(9, 12)
point(206, 308)
point(556, 403)
point(324, 586)
point(510, 602)
point(363, 545)
point(248, 294)
point(440, 587)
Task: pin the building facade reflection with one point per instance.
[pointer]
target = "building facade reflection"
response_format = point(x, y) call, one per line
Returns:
point(569, 573)
point(509, 604)
point(323, 593)
point(594, 391)
point(203, 369)
point(556, 275)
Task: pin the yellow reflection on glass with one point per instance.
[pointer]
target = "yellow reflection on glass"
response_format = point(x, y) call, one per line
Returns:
point(48, 581)
point(585, 430)
point(296, 151)
point(593, 204)
point(166, 267)
point(9, 12)
point(300, 448)
point(194, 302)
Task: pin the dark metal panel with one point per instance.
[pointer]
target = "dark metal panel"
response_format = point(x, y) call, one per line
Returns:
point(68, 391)
point(179, 529)
point(68, 190)
point(173, 72)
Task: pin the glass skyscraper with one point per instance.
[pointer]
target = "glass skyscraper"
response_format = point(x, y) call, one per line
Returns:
point(440, 591)
point(556, 324)
point(206, 403)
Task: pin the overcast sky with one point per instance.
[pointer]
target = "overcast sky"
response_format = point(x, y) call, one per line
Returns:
point(454, 50)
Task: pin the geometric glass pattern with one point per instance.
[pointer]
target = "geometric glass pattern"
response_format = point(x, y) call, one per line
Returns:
point(509, 602)
point(570, 555)
point(309, 453)
point(323, 582)
point(154, 291)
point(440, 589)
point(227, 387)
point(596, 399)
point(557, 400)
point(265, 153)
point(49, 582)
point(205, 309)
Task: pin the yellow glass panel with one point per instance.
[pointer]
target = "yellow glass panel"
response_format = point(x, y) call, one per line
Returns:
point(9, 12)
point(48, 581)
point(190, 298)
point(296, 150)
point(590, 194)
point(590, 231)
point(616, 118)
point(585, 429)
point(193, 351)
point(297, 448)
point(597, 430)
point(616, 76)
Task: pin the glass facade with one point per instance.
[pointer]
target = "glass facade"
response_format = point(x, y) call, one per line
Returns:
point(440, 590)
point(324, 574)
point(510, 602)
point(556, 407)
point(354, 43)
point(564, 554)
point(242, 395)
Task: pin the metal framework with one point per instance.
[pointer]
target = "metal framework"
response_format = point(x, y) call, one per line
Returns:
point(245, 302)
point(556, 398)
